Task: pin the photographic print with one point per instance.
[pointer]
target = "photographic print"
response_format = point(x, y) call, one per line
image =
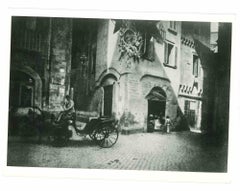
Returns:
point(123, 94)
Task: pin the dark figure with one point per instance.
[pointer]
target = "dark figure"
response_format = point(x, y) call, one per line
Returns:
point(168, 124)
point(68, 112)
point(36, 120)
point(161, 118)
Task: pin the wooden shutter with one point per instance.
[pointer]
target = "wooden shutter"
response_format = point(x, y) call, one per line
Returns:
point(165, 53)
point(195, 65)
point(196, 68)
point(176, 56)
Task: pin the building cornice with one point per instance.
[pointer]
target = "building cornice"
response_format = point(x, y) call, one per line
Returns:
point(187, 42)
point(190, 97)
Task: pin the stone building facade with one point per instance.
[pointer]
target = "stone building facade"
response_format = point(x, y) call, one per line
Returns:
point(192, 73)
point(137, 87)
point(40, 61)
point(124, 68)
point(169, 83)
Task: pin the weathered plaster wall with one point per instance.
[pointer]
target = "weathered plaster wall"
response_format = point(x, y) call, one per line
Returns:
point(172, 73)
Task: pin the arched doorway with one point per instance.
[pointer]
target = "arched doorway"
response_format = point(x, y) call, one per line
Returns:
point(109, 93)
point(21, 90)
point(156, 106)
point(25, 87)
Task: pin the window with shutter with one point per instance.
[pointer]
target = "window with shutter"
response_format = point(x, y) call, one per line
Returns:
point(173, 25)
point(165, 53)
point(176, 55)
point(170, 55)
point(195, 65)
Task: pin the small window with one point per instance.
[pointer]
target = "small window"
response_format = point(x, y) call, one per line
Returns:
point(173, 25)
point(170, 55)
point(196, 63)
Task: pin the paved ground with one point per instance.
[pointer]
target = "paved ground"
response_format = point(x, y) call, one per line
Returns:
point(182, 151)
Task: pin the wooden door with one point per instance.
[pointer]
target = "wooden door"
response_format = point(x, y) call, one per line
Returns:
point(108, 96)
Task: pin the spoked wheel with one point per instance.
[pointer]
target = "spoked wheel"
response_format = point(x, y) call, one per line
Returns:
point(107, 136)
point(92, 134)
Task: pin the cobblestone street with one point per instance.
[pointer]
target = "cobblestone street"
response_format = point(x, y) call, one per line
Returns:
point(181, 151)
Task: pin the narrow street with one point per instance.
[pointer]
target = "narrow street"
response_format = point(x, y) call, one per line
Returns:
point(177, 151)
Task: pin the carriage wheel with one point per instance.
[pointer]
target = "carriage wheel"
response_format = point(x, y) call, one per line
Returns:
point(92, 134)
point(99, 134)
point(106, 137)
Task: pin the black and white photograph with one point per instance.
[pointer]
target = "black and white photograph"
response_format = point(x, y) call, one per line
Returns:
point(119, 94)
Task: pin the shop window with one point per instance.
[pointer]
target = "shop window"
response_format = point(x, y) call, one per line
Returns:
point(170, 55)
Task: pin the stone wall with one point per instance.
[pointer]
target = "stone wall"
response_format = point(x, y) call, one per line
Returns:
point(222, 85)
point(191, 87)
point(61, 45)
point(102, 44)
point(29, 53)
point(134, 79)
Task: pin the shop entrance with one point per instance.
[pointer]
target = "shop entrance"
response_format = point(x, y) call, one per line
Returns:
point(156, 108)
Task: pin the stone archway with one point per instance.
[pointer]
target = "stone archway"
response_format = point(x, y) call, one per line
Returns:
point(151, 82)
point(157, 99)
point(34, 79)
point(109, 101)
point(105, 95)
point(107, 73)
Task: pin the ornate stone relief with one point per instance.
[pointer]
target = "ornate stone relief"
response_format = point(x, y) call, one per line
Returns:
point(130, 43)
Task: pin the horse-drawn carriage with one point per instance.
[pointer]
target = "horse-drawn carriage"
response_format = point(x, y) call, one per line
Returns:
point(59, 130)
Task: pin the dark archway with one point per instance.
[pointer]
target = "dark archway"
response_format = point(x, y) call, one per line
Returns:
point(156, 107)
point(109, 100)
point(25, 87)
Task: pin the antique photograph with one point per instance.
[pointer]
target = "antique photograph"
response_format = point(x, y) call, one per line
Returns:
point(119, 94)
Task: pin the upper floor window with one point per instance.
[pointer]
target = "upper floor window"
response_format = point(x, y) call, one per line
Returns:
point(170, 54)
point(196, 66)
point(173, 27)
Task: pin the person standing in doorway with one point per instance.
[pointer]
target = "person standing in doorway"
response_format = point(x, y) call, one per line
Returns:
point(168, 124)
